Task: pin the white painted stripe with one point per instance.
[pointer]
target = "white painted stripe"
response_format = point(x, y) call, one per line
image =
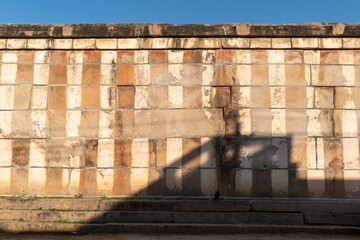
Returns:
point(73, 123)
point(316, 183)
point(74, 181)
point(174, 152)
point(351, 156)
point(73, 97)
point(208, 158)
point(139, 180)
point(208, 181)
point(107, 97)
point(206, 96)
point(243, 56)
point(243, 74)
point(349, 74)
point(141, 56)
point(74, 74)
point(174, 179)
point(41, 68)
point(140, 153)
point(107, 57)
point(311, 73)
point(277, 96)
point(106, 124)
point(280, 157)
point(105, 157)
point(105, 181)
point(75, 159)
point(244, 96)
point(36, 178)
point(245, 122)
point(7, 94)
point(37, 156)
point(5, 123)
point(175, 95)
point(5, 179)
point(276, 56)
point(314, 125)
point(39, 97)
point(311, 153)
point(173, 159)
point(5, 152)
point(176, 56)
point(8, 71)
point(142, 74)
point(39, 123)
point(320, 153)
point(279, 182)
point(278, 122)
point(207, 75)
point(349, 103)
point(349, 123)
point(141, 97)
point(175, 70)
point(243, 182)
point(277, 74)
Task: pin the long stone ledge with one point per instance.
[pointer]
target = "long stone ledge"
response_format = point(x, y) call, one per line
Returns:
point(126, 30)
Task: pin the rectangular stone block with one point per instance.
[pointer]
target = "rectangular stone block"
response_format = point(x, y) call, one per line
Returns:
point(347, 123)
point(38, 44)
point(235, 42)
point(260, 43)
point(281, 42)
point(126, 97)
point(305, 42)
point(91, 74)
point(158, 43)
point(90, 97)
point(330, 43)
point(16, 43)
point(348, 98)
point(209, 43)
point(351, 42)
point(172, 123)
point(334, 75)
point(61, 43)
point(324, 97)
point(251, 97)
point(84, 43)
point(128, 43)
point(221, 96)
point(106, 43)
point(125, 75)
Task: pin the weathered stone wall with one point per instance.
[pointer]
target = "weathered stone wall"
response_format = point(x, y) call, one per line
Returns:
point(180, 110)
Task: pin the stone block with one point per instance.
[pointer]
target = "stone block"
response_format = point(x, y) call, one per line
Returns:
point(125, 57)
point(38, 44)
point(330, 43)
point(281, 42)
point(348, 98)
point(260, 43)
point(125, 74)
point(2, 43)
point(22, 97)
point(90, 74)
point(221, 96)
point(312, 57)
point(57, 97)
point(188, 42)
point(193, 97)
point(91, 57)
point(61, 43)
point(294, 56)
point(324, 97)
point(58, 74)
point(106, 43)
point(158, 43)
point(90, 97)
point(296, 122)
point(305, 42)
point(251, 97)
point(172, 123)
point(126, 97)
point(297, 97)
point(16, 43)
point(89, 124)
point(158, 56)
point(236, 42)
point(333, 219)
point(259, 75)
point(84, 43)
point(332, 75)
point(209, 43)
point(24, 74)
point(351, 42)
point(128, 43)
point(347, 123)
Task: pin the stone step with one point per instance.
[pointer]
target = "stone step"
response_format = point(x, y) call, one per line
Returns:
point(153, 217)
point(126, 204)
point(173, 228)
point(184, 205)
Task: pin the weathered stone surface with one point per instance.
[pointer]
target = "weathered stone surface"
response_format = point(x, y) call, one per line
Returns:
point(173, 123)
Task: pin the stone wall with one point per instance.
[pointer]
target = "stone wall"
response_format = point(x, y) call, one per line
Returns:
point(180, 110)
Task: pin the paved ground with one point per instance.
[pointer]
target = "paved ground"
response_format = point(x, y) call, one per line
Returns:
point(178, 237)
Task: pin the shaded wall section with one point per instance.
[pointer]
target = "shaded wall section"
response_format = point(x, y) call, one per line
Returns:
point(180, 113)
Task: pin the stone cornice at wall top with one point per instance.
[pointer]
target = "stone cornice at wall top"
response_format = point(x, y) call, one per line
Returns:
point(131, 30)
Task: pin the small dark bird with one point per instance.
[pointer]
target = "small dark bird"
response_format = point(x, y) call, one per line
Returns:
point(217, 196)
